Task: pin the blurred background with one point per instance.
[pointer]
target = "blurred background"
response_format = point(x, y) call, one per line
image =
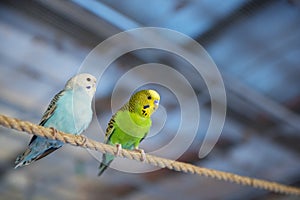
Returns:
point(255, 44)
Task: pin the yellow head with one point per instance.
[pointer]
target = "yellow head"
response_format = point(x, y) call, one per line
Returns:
point(144, 102)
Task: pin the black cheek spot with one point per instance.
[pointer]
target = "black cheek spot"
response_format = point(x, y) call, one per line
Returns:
point(88, 87)
point(146, 106)
point(88, 79)
point(149, 97)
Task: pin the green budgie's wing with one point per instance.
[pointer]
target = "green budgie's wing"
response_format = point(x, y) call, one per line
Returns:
point(111, 124)
point(48, 113)
point(107, 158)
point(144, 137)
point(110, 128)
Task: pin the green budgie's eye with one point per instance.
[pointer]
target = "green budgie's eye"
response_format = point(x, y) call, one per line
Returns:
point(149, 97)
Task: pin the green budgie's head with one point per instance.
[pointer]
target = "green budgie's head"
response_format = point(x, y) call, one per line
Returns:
point(144, 102)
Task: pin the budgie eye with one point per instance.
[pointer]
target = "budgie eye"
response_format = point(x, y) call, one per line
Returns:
point(149, 97)
point(88, 79)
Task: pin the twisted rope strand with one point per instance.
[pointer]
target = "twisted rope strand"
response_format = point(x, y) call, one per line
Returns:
point(84, 142)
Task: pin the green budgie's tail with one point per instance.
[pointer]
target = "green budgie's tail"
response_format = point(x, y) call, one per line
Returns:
point(107, 159)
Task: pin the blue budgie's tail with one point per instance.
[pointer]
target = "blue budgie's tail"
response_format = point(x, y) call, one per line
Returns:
point(37, 149)
point(106, 160)
point(21, 159)
point(29, 156)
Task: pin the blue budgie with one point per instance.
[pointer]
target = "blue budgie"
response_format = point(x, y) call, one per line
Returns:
point(69, 111)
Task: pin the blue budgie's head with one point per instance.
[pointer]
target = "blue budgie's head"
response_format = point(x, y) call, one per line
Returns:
point(83, 81)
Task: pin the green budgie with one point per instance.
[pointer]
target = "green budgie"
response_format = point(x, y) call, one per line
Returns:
point(130, 125)
point(69, 111)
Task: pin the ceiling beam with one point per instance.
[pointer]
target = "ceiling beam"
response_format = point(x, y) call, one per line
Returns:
point(246, 10)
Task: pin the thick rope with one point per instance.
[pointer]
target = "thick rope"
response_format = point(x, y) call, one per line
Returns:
point(84, 142)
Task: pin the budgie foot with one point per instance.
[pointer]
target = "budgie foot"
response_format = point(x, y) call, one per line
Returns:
point(119, 148)
point(54, 131)
point(142, 152)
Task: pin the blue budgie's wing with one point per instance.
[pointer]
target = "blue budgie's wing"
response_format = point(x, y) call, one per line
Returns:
point(51, 108)
point(29, 155)
point(49, 112)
